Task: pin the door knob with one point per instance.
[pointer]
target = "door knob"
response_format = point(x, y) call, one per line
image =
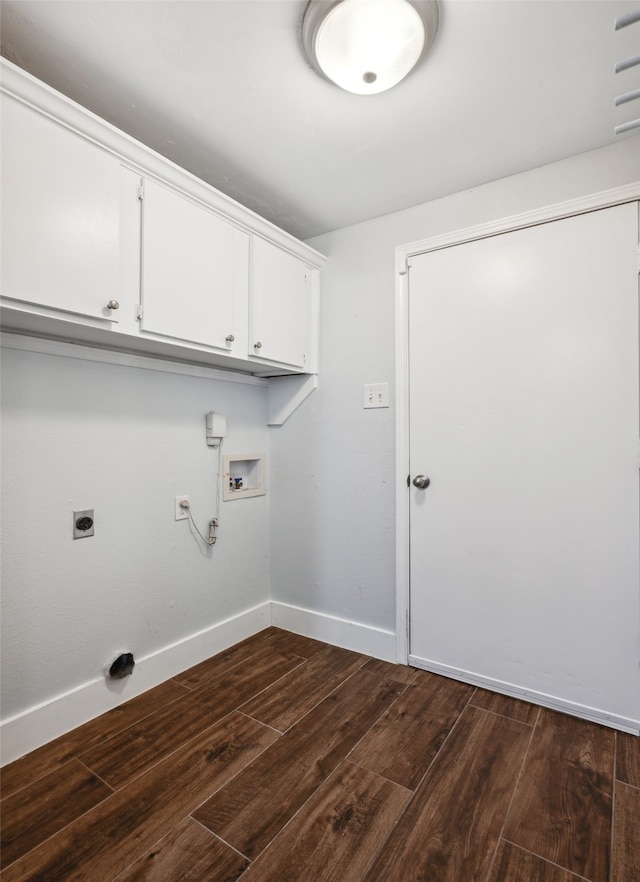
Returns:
point(421, 482)
point(113, 304)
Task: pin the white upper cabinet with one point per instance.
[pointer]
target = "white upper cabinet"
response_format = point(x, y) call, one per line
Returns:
point(194, 280)
point(106, 242)
point(60, 217)
point(282, 307)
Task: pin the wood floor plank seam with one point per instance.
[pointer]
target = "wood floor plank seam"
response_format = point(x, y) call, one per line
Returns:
point(628, 758)
point(439, 751)
point(513, 795)
point(321, 697)
point(219, 668)
point(326, 795)
point(113, 789)
point(379, 774)
point(76, 752)
point(498, 714)
point(450, 826)
point(626, 852)
point(563, 806)
point(288, 823)
point(551, 863)
point(383, 843)
point(166, 732)
point(206, 686)
point(311, 709)
point(34, 816)
point(301, 663)
point(402, 687)
point(320, 700)
point(183, 746)
point(254, 808)
point(245, 714)
point(341, 826)
point(409, 734)
point(612, 844)
point(137, 816)
point(157, 846)
point(219, 838)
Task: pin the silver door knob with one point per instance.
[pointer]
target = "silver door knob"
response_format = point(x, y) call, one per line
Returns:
point(421, 482)
point(230, 338)
point(257, 345)
point(113, 304)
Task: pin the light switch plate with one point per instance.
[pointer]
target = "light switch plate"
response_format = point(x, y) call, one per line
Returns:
point(376, 395)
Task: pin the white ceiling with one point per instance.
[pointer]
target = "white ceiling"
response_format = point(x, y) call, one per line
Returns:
point(222, 88)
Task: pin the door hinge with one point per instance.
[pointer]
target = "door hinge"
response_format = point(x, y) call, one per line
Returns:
point(140, 192)
point(139, 312)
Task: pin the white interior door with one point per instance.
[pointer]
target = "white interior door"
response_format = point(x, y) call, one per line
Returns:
point(524, 415)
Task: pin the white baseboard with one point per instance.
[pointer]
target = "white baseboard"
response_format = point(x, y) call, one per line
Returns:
point(44, 722)
point(624, 724)
point(334, 630)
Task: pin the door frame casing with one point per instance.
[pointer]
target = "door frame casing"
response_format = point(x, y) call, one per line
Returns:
point(403, 255)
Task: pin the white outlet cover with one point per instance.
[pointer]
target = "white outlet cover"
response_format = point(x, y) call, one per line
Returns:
point(181, 513)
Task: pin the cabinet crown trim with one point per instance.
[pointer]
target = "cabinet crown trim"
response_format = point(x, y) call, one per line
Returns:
point(30, 91)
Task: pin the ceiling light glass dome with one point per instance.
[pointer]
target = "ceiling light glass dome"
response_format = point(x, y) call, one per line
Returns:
point(368, 46)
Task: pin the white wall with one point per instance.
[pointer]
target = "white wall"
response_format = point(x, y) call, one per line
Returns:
point(333, 464)
point(124, 441)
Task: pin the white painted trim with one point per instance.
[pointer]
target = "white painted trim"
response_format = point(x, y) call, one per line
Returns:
point(624, 724)
point(402, 464)
point(570, 208)
point(44, 722)
point(377, 642)
point(404, 253)
point(286, 394)
point(46, 346)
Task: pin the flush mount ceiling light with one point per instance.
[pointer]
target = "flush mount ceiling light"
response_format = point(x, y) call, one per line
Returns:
point(368, 46)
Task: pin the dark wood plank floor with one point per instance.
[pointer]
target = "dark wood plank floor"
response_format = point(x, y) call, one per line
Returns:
point(283, 759)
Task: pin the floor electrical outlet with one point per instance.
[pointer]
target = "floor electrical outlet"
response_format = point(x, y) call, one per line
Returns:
point(182, 513)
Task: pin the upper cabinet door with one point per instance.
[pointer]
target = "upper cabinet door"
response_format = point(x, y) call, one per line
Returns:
point(282, 306)
point(60, 217)
point(194, 272)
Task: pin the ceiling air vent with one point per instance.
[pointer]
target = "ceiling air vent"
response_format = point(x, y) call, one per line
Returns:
point(629, 63)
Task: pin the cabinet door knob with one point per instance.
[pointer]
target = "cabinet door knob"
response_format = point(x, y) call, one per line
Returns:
point(230, 338)
point(257, 345)
point(113, 304)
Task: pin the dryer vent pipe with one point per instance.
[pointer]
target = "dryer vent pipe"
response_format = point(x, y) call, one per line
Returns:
point(122, 666)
